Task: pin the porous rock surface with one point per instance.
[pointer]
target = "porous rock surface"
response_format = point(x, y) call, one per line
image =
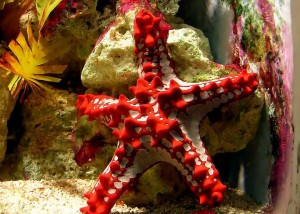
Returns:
point(190, 51)
point(6, 107)
point(112, 62)
point(167, 7)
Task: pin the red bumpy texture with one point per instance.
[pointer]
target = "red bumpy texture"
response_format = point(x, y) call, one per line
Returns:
point(161, 122)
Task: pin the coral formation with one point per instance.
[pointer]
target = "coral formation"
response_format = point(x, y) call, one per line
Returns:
point(111, 64)
point(162, 122)
point(36, 48)
point(76, 23)
point(70, 24)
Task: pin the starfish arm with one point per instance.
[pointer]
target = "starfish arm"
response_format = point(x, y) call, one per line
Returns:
point(126, 166)
point(96, 107)
point(153, 60)
point(111, 184)
point(128, 163)
point(197, 169)
point(190, 158)
point(227, 89)
point(207, 95)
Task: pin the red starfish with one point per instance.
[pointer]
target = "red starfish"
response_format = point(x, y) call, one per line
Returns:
point(161, 122)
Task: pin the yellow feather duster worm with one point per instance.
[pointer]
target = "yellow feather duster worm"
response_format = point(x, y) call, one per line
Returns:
point(29, 67)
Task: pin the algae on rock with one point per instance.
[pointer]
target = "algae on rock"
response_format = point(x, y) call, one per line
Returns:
point(167, 7)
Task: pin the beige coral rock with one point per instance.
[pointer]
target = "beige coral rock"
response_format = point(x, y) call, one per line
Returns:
point(196, 64)
point(112, 62)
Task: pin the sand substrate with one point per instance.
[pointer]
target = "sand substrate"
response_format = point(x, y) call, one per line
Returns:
point(66, 197)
